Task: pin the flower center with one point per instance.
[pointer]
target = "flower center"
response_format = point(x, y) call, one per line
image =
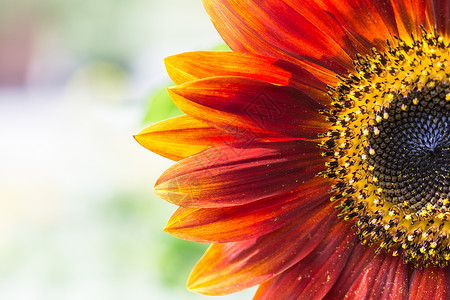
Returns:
point(410, 155)
point(389, 149)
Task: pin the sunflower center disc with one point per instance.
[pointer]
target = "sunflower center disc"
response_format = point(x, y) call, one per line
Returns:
point(412, 152)
point(389, 149)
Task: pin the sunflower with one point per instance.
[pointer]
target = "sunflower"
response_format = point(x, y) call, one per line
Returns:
point(315, 157)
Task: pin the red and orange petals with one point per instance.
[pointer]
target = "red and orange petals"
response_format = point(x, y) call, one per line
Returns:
point(431, 283)
point(370, 22)
point(250, 108)
point(229, 224)
point(248, 155)
point(410, 15)
point(313, 276)
point(231, 267)
point(242, 36)
point(192, 66)
point(181, 137)
point(367, 23)
point(441, 11)
point(239, 173)
point(299, 29)
point(322, 32)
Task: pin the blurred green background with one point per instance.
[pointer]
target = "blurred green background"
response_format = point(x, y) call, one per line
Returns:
point(78, 218)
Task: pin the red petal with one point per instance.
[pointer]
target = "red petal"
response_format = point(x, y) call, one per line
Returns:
point(430, 283)
point(369, 22)
point(197, 65)
point(395, 282)
point(385, 277)
point(231, 224)
point(359, 259)
point(250, 108)
point(181, 137)
point(280, 31)
point(228, 175)
point(441, 12)
point(227, 268)
point(313, 276)
point(409, 14)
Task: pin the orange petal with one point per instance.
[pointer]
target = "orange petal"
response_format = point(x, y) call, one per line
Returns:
point(180, 137)
point(227, 268)
point(277, 30)
point(250, 108)
point(229, 175)
point(230, 224)
point(409, 14)
point(197, 65)
point(430, 283)
point(313, 276)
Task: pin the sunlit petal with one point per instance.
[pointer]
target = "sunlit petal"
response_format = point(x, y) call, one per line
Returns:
point(229, 175)
point(181, 137)
point(192, 66)
point(235, 266)
point(313, 276)
point(250, 108)
point(231, 224)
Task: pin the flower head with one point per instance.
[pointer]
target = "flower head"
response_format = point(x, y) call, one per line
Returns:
point(347, 101)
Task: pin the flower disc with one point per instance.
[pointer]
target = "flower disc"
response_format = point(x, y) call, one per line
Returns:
point(390, 148)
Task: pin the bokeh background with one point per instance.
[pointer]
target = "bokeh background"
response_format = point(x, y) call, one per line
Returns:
point(78, 218)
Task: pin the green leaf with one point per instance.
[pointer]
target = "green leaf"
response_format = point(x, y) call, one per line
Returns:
point(223, 47)
point(160, 106)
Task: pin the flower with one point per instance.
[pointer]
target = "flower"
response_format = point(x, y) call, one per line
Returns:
point(321, 100)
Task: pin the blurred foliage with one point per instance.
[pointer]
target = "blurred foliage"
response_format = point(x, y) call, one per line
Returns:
point(177, 260)
point(135, 245)
point(159, 104)
point(112, 20)
point(127, 208)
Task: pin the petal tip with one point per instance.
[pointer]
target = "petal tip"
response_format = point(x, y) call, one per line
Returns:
point(193, 285)
point(138, 138)
point(168, 229)
point(159, 190)
point(169, 62)
point(198, 288)
point(169, 59)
